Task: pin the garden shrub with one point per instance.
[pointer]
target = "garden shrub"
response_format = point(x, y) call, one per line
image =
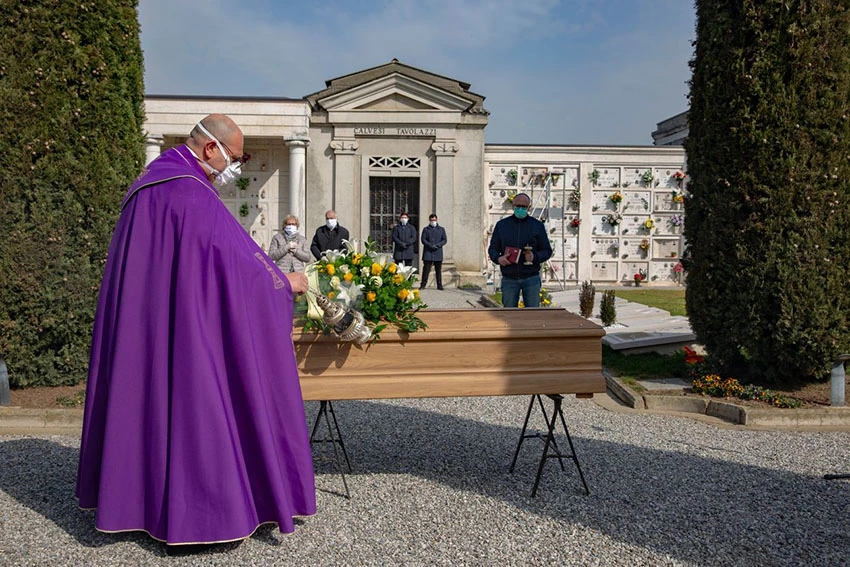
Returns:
point(607, 309)
point(586, 299)
point(71, 105)
point(769, 136)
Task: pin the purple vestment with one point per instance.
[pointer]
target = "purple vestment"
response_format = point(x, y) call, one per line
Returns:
point(194, 426)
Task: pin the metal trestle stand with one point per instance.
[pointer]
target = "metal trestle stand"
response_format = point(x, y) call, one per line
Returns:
point(334, 438)
point(550, 445)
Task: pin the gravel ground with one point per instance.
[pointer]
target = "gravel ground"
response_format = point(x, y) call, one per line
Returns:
point(430, 487)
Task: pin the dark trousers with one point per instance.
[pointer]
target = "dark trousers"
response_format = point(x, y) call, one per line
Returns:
point(426, 269)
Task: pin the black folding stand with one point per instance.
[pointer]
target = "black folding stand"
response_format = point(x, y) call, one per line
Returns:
point(334, 437)
point(548, 439)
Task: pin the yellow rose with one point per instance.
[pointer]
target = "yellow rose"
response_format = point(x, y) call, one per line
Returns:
point(402, 294)
point(356, 259)
point(398, 278)
point(377, 269)
point(370, 296)
point(330, 269)
point(392, 269)
point(348, 277)
point(331, 295)
point(415, 294)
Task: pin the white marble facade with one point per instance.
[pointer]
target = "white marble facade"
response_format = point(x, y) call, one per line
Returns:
point(395, 122)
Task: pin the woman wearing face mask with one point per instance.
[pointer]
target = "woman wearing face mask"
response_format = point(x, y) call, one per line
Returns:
point(288, 248)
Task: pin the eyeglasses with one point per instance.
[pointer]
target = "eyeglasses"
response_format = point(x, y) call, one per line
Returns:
point(233, 159)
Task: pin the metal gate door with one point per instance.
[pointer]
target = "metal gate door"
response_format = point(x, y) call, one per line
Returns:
point(388, 198)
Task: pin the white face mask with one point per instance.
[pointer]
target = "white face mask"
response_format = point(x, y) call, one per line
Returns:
point(290, 229)
point(433, 223)
point(230, 172)
point(403, 222)
point(331, 223)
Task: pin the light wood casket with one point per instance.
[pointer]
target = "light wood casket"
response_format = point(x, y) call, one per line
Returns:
point(463, 352)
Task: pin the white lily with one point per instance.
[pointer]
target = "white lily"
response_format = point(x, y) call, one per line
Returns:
point(406, 271)
point(333, 255)
point(382, 258)
point(350, 294)
point(353, 246)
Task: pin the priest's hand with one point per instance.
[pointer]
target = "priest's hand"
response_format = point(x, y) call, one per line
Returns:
point(298, 281)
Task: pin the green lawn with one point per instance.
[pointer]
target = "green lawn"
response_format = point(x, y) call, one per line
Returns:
point(672, 300)
point(647, 365)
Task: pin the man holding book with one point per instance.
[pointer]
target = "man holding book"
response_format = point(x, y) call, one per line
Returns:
point(519, 245)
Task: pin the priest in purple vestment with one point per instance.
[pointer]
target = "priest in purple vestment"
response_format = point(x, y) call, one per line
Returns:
point(194, 427)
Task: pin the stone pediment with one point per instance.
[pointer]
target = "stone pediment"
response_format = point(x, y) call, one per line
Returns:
point(396, 87)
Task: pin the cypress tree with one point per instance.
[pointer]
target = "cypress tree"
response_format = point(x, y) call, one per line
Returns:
point(71, 105)
point(769, 163)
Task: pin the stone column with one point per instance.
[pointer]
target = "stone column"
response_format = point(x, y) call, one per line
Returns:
point(153, 146)
point(297, 174)
point(585, 230)
point(444, 186)
point(345, 162)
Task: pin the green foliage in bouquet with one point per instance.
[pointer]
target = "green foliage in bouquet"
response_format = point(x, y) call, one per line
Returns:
point(371, 283)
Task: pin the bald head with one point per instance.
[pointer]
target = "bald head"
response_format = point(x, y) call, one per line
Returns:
point(223, 128)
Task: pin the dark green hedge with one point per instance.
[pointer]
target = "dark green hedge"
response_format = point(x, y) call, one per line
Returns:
point(71, 106)
point(768, 224)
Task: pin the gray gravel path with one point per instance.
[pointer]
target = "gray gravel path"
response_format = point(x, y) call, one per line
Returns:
point(430, 487)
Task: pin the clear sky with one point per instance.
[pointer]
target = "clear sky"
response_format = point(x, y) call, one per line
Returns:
point(552, 71)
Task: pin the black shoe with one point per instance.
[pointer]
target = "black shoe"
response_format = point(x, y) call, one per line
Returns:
point(440, 287)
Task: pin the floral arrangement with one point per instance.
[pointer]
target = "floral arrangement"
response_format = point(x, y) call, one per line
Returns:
point(576, 222)
point(555, 178)
point(678, 176)
point(639, 277)
point(677, 220)
point(575, 196)
point(368, 282)
point(614, 219)
point(244, 210)
point(678, 268)
point(509, 197)
point(616, 197)
point(243, 182)
point(678, 197)
point(594, 176)
point(512, 175)
point(647, 177)
point(649, 224)
point(644, 244)
point(713, 385)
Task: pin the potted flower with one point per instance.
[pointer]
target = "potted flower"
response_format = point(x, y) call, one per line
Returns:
point(575, 222)
point(575, 196)
point(244, 210)
point(639, 277)
point(647, 177)
point(509, 197)
point(616, 197)
point(644, 244)
point(678, 198)
point(512, 175)
point(243, 182)
point(614, 219)
point(677, 220)
point(594, 177)
point(678, 177)
point(649, 224)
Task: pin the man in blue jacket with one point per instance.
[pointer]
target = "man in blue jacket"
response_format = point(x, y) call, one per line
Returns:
point(519, 245)
point(404, 241)
point(433, 240)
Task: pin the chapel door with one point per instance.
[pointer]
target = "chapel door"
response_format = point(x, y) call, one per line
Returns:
point(388, 198)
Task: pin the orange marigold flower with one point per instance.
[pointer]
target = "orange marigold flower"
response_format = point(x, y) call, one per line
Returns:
point(377, 269)
point(371, 296)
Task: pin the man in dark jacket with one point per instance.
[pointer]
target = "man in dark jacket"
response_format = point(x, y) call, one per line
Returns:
point(329, 236)
point(519, 245)
point(404, 241)
point(433, 240)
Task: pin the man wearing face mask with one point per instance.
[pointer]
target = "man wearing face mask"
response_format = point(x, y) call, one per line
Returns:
point(329, 236)
point(194, 427)
point(404, 241)
point(519, 245)
point(433, 240)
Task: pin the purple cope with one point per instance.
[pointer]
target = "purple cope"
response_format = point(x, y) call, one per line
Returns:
point(194, 427)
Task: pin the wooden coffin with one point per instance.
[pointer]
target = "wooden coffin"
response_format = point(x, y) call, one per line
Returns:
point(464, 352)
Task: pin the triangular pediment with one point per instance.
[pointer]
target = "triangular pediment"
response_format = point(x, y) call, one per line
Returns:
point(396, 87)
